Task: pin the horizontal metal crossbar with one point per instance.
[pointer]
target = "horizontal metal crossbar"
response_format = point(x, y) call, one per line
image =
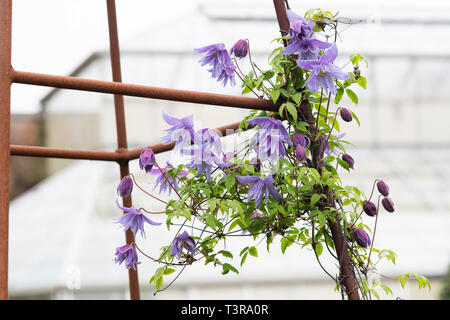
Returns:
point(142, 91)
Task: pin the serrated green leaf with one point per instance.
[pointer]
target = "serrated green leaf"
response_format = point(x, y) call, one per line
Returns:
point(292, 110)
point(296, 97)
point(274, 95)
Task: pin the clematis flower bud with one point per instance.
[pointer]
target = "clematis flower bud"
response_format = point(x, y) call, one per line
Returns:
point(300, 153)
point(240, 49)
point(349, 160)
point(369, 208)
point(388, 204)
point(147, 160)
point(383, 188)
point(361, 237)
point(300, 139)
point(346, 115)
point(125, 186)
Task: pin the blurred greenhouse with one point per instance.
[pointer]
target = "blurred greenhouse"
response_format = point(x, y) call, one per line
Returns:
point(62, 235)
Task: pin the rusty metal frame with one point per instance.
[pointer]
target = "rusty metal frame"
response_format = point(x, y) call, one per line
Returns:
point(122, 155)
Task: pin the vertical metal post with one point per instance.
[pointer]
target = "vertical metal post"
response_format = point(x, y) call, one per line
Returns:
point(121, 130)
point(5, 116)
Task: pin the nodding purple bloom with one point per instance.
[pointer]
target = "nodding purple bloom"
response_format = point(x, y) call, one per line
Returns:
point(147, 160)
point(270, 137)
point(183, 241)
point(134, 219)
point(162, 182)
point(217, 56)
point(206, 152)
point(269, 123)
point(346, 115)
point(128, 254)
point(125, 186)
point(383, 188)
point(361, 237)
point(369, 208)
point(240, 49)
point(388, 204)
point(349, 160)
point(300, 140)
point(300, 153)
point(302, 38)
point(261, 187)
point(182, 131)
point(323, 71)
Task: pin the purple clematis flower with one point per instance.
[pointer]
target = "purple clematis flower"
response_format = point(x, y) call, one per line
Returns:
point(134, 219)
point(323, 71)
point(183, 241)
point(147, 160)
point(361, 237)
point(182, 131)
point(222, 67)
point(240, 49)
point(301, 139)
point(206, 153)
point(302, 38)
point(128, 254)
point(261, 187)
point(162, 182)
point(383, 188)
point(270, 137)
point(125, 186)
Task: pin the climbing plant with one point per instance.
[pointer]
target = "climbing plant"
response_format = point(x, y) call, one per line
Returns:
point(281, 185)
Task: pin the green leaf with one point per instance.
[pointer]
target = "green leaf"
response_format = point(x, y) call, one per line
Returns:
point(230, 180)
point(339, 94)
point(159, 283)
point(274, 95)
point(292, 110)
point(352, 96)
point(168, 271)
point(362, 82)
point(315, 197)
point(296, 97)
point(244, 257)
point(227, 267)
point(318, 248)
point(253, 251)
point(226, 254)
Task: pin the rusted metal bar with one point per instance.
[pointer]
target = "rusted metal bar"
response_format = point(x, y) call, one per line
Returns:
point(47, 152)
point(5, 118)
point(142, 91)
point(122, 143)
point(119, 155)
